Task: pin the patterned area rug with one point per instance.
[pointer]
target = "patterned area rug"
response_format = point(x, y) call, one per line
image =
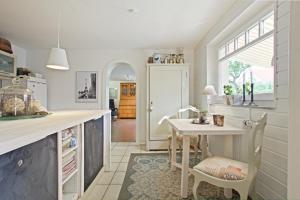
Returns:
point(148, 177)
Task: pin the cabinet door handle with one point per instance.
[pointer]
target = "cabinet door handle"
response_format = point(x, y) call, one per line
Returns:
point(20, 162)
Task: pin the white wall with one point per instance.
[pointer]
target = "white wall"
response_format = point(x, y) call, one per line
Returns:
point(294, 99)
point(61, 84)
point(272, 177)
point(20, 54)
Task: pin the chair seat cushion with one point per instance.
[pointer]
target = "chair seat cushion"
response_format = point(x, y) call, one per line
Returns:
point(223, 168)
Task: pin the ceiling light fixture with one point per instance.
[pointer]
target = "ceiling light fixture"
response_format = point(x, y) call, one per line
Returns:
point(132, 10)
point(58, 56)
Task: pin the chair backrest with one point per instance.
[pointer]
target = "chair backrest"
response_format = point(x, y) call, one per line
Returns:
point(188, 109)
point(256, 134)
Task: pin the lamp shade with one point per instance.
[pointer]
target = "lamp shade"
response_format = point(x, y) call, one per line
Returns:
point(209, 90)
point(58, 59)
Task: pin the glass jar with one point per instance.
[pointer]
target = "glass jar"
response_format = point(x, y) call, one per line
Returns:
point(15, 99)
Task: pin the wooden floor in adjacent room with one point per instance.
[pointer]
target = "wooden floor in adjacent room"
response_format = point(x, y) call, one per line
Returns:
point(123, 130)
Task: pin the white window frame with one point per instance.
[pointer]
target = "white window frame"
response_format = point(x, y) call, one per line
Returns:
point(261, 36)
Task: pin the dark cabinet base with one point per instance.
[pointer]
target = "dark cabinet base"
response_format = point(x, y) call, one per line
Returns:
point(93, 150)
point(30, 172)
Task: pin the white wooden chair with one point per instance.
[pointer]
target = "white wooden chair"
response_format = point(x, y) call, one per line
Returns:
point(194, 140)
point(227, 173)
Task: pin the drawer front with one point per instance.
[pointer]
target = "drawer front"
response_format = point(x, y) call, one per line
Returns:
point(30, 172)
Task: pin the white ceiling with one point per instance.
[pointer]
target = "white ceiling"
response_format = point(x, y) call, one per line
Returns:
point(107, 24)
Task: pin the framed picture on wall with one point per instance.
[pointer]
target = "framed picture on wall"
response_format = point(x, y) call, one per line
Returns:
point(86, 86)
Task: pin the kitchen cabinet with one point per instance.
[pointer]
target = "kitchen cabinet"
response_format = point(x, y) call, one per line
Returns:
point(38, 88)
point(30, 172)
point(93, 150)
point(127, 105)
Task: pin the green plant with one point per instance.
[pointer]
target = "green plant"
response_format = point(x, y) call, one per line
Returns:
point(228, 90)
point(236, 69)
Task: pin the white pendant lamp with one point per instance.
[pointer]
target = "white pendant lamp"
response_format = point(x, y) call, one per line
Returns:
point(58, 56)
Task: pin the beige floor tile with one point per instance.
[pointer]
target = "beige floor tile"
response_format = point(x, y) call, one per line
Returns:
point(98, 192)
point(128, 152)
point(112, 193)
point(125, 159)
point(114, 166)
point(116, 158)
point(118, 178)
point(105, 178)
point(136, 147)
point(116, 152)
point(122, 167)
point(123, 143)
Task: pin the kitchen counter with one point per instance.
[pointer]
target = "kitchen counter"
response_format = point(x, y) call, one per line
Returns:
point(62, 153)
point(18, 133)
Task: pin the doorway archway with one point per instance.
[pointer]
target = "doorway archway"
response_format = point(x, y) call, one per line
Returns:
point(109, 68)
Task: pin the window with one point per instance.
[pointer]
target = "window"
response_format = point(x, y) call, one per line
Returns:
point(268, 24)
point(253, 33)
point(241, 40)
point(262, 27)
point(230, 47)
point(250, 60)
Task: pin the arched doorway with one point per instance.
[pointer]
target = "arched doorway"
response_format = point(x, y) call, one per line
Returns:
point(118, 76)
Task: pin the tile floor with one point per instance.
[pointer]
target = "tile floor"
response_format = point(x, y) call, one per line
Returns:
point(110, 183)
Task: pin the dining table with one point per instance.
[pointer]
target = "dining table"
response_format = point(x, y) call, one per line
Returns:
point(186, 128)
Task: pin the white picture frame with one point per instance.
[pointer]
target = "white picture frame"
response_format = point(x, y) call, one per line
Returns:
point(86, 87)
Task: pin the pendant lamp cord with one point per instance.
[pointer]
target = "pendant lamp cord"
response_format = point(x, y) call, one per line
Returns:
point(58, 25)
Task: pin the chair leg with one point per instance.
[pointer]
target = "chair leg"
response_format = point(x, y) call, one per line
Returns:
point(253, 191)
point(195, 187)
point(196, 151)
point(169, 151)
point(243, 194)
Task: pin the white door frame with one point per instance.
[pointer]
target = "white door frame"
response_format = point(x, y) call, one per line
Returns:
point(105, 92)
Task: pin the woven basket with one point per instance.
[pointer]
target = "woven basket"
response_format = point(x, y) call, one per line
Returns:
point(5, 45)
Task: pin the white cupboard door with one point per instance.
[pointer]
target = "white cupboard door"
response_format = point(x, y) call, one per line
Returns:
point(165, 99)
point(42, 87)
point(32, 86)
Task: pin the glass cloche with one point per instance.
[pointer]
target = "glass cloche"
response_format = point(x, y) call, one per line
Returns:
point(15, 99)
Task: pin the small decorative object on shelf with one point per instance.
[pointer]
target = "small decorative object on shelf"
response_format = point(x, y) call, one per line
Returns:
point(15, 99)
point(203, 117)
point(150, 60)
point(218, 120)
point(157, 58)
point(5, 45)
point(228, 91)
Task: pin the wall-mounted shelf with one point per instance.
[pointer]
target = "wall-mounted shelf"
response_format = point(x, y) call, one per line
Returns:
point(70, 176)
point(70, 148)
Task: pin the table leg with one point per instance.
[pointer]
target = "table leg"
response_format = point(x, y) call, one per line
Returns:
point(204, 146)
point(173, 150)
point(185, 166)
point(228, 152)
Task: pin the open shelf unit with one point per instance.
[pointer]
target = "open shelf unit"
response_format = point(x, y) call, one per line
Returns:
point(69, 168)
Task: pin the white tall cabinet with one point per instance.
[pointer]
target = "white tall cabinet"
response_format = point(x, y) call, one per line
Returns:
point(38, 87)
point(167, 92)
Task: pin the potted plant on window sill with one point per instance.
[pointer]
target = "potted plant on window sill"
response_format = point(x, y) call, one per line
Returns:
point(228, 98)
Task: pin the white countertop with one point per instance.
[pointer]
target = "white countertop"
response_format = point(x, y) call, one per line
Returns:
point(186, 127)
point(18, 133)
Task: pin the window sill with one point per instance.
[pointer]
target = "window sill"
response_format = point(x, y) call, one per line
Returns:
point(259, 104)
